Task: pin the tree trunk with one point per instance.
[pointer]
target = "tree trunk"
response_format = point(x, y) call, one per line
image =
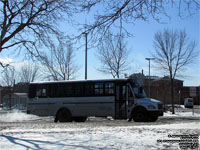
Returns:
point(172, 94)
point(9, 97)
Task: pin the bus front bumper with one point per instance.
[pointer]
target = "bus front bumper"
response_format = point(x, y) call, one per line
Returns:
point(156, 113)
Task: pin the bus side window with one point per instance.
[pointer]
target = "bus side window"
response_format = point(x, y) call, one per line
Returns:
point(41, 92)
point(44, 92)
point(117, 93)
point(123, 92)
point(89, 89)
point(69, 90)
point(109, 88)
point(98, 88)
point(120, 93)
point(32, 91)
point(52, 90)
point(38, 93)
point(78, 90)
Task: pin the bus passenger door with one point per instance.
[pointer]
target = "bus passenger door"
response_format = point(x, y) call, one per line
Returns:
point(120, 102)
point(41, 101)
point(130, 100)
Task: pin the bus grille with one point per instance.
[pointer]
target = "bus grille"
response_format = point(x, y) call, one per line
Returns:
point(160, 106)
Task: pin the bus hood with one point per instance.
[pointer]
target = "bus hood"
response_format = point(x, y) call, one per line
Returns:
point(154, 100)
point(150, 100)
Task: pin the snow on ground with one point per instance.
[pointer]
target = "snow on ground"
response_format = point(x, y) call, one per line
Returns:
point(117, 138)
point(16, 116)
point(20, 134)
point(181, 114)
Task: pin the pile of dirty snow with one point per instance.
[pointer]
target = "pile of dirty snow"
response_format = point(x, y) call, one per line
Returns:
point(16, 116)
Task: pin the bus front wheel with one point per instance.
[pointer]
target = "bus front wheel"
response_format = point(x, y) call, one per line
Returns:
point(139, 115)
point(64, 115)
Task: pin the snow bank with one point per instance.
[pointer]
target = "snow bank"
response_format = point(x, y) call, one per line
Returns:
point(16, 116)
point(181, 114)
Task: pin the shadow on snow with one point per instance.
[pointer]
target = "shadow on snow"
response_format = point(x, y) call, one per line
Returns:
point(41, 144)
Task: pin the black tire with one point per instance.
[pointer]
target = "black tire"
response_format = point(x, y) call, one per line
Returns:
point(153, 118)
point(139, 115)
point(79, 119)
point(56, 119)
point(64, 115)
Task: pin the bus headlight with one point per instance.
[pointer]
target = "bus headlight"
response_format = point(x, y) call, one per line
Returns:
point(151, 107)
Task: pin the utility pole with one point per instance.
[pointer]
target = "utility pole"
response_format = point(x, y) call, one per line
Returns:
point(149, 59)
point(86, 55)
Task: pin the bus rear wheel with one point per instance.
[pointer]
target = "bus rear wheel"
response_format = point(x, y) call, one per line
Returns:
point(79, 119)
point(64, 116)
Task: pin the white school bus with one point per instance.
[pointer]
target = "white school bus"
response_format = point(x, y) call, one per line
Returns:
point(76, 100)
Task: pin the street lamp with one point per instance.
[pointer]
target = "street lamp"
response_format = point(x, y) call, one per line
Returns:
point(86, 49)
point(149, 59)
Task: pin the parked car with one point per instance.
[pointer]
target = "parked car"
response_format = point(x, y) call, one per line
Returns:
point(188, 102)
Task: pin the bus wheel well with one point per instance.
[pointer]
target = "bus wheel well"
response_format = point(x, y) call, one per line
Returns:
point(63, 115)
point(139, 108)
point(139, 114)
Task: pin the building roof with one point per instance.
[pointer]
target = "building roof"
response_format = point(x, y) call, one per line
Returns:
point(21, 95)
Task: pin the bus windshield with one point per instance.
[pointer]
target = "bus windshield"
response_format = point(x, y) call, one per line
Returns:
point(138, 91)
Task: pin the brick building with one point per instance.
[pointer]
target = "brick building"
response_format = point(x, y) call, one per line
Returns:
point(160, 88)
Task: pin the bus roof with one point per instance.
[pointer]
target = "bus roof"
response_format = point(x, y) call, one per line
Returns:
point(76, 81)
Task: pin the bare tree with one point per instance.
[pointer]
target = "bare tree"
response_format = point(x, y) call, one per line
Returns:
point(29, 73)
point(8, 79)
point(113, 55)
point(108, 13)
point(59, 64)
point(8, 76)
point(30, 23)
point(173, 53)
